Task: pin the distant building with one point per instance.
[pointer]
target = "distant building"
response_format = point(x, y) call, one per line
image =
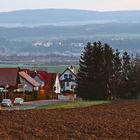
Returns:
point(9, 77)
point(45, 79)
point(15, 82)
point(29, 84)
point(68, 80)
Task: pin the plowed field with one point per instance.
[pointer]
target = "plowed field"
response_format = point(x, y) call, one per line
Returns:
point(118, 120)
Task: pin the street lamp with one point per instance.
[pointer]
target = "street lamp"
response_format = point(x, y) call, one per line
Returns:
point(6, 90)
point(42, 85)
point(1, 91)
point(24, 90)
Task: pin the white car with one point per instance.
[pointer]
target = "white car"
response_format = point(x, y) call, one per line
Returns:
point(6, 103)
point(18, 101)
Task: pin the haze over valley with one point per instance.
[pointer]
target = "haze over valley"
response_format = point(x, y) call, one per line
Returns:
point(45, 35)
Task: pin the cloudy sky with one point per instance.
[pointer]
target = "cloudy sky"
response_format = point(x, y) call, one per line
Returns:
point(100, 5)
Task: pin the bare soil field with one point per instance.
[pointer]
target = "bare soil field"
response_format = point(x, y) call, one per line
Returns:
point(118, 120)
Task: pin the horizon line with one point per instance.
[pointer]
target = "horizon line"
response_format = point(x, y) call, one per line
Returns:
point(78, 9)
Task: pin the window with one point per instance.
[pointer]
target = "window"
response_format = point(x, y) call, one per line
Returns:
point(65, 76)
point(67, 84)
point(72, 87)
point(70, 76)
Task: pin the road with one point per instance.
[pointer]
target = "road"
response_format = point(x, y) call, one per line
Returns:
point(32, 104)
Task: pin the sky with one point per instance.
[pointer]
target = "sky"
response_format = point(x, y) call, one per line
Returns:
point(99, 5)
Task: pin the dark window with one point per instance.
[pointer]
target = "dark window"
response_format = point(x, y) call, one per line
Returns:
point(72, 86)
point(67, 84)
point(70, 76)
point(65, 76)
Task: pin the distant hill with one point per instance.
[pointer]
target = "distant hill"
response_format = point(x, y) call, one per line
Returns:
point(65, 16)
point(32, 33)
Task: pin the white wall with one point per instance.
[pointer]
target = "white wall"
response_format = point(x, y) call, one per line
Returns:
point(71, 82)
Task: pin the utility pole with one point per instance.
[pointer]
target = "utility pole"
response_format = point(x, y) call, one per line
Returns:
point(6, 90)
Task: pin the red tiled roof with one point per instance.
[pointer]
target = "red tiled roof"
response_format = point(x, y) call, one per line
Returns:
point(43, 75)
point(31, 73)
point(46, 77)
point(29, 79)
point(8, 76)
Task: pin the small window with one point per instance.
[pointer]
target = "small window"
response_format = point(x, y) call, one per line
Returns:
point(72, 86)
point(65, 76)
point(70, 76)
point(67, 84)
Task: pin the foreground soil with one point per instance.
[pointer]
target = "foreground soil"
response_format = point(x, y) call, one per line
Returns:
point(118, 120)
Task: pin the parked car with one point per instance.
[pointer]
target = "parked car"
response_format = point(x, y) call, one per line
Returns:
point(6, 103)
point(18, 101)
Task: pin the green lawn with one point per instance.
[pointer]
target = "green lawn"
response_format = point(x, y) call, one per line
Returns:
point(49, 68)
point(73, 104)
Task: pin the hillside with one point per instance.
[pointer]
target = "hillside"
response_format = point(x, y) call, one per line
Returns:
point(65, 16)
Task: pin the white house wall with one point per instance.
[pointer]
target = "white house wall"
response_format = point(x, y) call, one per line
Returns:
point(71, 84)
point(71, 81)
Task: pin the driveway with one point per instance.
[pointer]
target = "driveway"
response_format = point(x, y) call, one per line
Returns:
point(32, 104)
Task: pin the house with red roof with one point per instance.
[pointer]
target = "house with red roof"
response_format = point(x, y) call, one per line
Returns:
point(40, 83)
point(28, 82)
point(45, 79)
point(9, 77)
point(13, 80)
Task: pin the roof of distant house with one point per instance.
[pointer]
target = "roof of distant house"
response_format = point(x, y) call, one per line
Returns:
point(46, 77)
point(29, 79)
point(8, 77)
point(30, 73)
point(43, 75)
point(71, 69)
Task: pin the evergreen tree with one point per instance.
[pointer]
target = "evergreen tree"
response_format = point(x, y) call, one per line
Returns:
point(126, 80)
point(95, 71)
point(117, 75)
point(103, 73)
point(126, 66)
point(133, 89)
point(83, 74)
point(108, 68)
point(137, 76)
point(97, 74)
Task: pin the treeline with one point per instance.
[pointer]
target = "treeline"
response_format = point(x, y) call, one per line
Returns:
point(105, 73)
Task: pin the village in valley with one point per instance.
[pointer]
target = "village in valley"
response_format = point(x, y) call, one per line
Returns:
point(69, 70)
point(37, 85)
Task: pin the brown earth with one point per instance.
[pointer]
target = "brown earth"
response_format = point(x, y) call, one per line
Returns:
point(119, 120)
